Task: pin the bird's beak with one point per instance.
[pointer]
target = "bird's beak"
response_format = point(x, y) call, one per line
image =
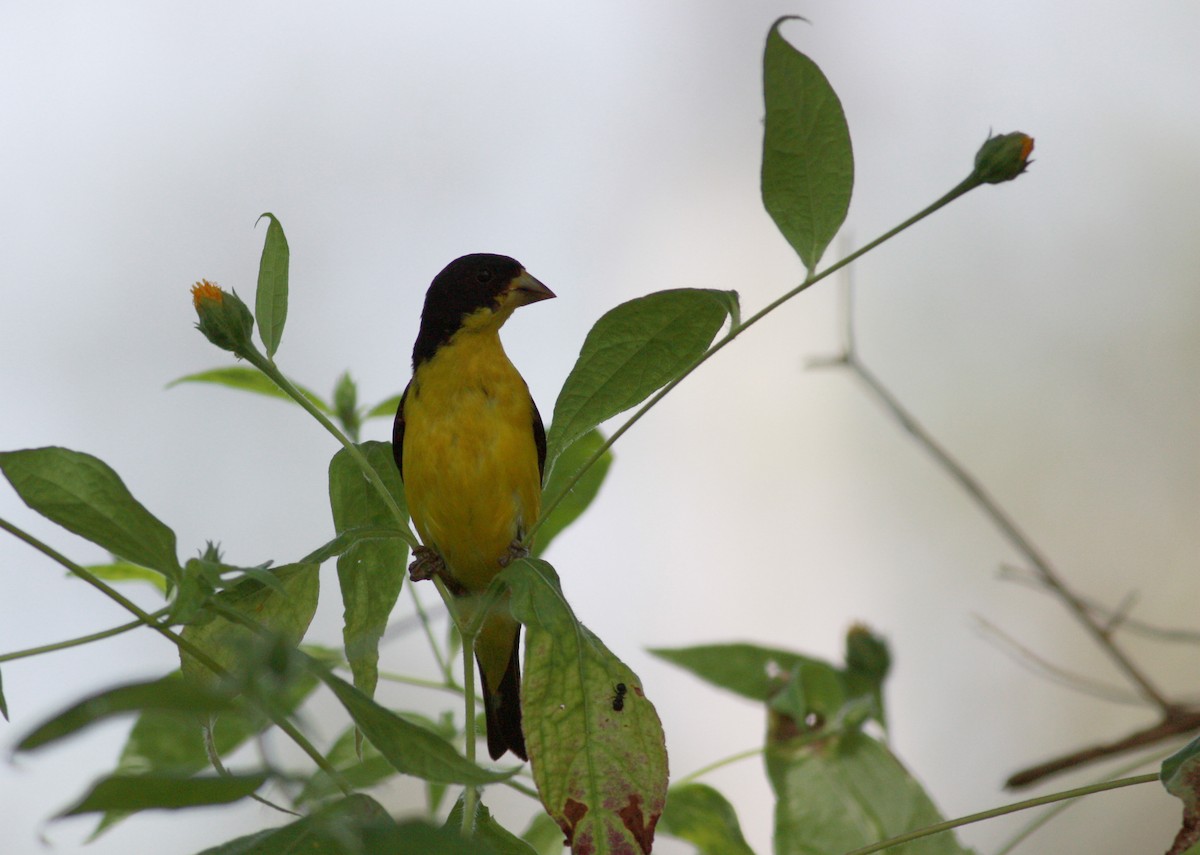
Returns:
point(525, 290)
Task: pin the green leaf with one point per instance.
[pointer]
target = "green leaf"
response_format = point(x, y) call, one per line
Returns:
point(844, 792)
point(163, 695)
point(631, 352)
point(83, 495)
point(791, 683)
point(600, 766)
point(354, 825)
point(360, 772)
point(386, 408)
point(371, 572)
point(165, 741)
point(411, 749)
point(285, 613)
point(487, 831)
point(868, 661)
point(808, 164)
point(1181, 776)
point(123, 571)
point(361, 764)
point(812, 691)
point(746, 669)
point(581, 495)
point(348, 538)
point(703, 817)
point(271, 300)
point(3, 702)
point(170, 792)
point(420, 837)
point(250, 380)
point(345, 404)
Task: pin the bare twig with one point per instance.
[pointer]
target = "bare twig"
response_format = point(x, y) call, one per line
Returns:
point(1177, 723)
point(1027, 657)
point(1177, 718)
point(1008, 527)
point(1166, 634)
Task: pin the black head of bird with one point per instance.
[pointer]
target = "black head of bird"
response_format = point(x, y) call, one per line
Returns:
point(472, 292)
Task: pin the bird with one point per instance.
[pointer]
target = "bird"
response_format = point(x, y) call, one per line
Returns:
point(471, 449)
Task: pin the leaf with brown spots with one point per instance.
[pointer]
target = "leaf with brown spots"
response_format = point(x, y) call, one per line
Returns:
point(1181, 776)
point(600, 766)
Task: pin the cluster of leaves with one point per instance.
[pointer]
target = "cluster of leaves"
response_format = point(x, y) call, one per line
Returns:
point(595, 741)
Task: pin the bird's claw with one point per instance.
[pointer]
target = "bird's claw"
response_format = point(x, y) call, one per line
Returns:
point(515, 550)
point(426, 564)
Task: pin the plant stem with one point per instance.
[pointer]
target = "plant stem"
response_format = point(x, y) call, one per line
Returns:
point(963, 187)
point(1008, 527)
point(267, 366)
point(1057, 809)
point(393, 677)
point(718, 764)
point(522, 789)
point(469, 632)
point(178, 640)
point(443, 661)
point(214, 757)
point(930, 830)
point(81, 640)
point(470, 793)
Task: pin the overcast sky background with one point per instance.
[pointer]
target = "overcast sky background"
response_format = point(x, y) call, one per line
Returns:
point(1045, 330)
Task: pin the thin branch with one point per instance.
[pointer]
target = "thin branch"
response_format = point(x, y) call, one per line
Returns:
point(719, 764)
point(178, 640)
point(1176, 724)
point(1121, 613)
point(513, 784)
point(214, 757)
point(422, 617)
point(931, 830)
point(1007, 526)
point(735, 329)
point(268, 367)
point(81, 640)
point(1028, 658)
point(1172, 635)
point(1060, 807)
point(1178, 718)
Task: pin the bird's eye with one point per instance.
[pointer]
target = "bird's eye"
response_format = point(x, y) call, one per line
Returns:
point(483, 277)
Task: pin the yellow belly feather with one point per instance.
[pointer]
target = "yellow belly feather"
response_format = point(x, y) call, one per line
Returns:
point(470, 463)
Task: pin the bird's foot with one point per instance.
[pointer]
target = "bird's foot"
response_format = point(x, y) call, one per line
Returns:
point(426, 564)
point(515, 550)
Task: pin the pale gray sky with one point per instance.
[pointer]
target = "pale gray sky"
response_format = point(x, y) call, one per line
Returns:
point(1045, 330)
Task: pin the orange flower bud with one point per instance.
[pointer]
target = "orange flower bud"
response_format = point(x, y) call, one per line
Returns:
point(224, 318)
point(1003, 157)
point(205, 290)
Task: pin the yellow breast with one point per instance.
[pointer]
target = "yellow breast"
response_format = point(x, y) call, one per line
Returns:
point(470, 462)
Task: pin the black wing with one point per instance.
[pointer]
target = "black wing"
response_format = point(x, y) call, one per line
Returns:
point(398, 434)
point(539, 437)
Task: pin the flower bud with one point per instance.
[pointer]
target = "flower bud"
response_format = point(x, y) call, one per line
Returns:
point(866, 652)
point(224, 318)
point(1003, 157)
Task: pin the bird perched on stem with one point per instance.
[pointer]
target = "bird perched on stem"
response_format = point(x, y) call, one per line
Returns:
point(471, 448)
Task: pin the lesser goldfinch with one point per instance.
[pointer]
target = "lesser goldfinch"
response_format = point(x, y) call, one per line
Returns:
point(471, 449)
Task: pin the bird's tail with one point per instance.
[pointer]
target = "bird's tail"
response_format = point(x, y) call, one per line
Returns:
point(502, 696)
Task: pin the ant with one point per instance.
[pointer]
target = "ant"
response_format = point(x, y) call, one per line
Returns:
point(618, 701)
